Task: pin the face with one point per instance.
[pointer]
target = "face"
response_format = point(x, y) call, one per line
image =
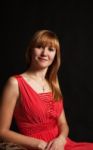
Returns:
point(43, 57)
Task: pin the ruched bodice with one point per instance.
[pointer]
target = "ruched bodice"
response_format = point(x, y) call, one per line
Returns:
point(36, 115)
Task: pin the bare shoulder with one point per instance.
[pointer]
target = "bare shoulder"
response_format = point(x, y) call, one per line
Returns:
point(12, 85)
point(12, 81)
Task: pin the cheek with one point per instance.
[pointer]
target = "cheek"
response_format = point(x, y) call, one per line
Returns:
point(35, 55)
point(53, 56)
point(36, 52)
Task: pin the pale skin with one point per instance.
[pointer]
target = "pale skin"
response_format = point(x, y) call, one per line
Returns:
point(42, 59)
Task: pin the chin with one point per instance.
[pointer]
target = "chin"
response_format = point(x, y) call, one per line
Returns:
point(43, 66)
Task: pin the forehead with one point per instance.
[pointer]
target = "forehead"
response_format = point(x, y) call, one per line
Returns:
point(47, 41)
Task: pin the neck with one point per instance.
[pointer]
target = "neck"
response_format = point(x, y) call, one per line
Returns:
point(40, 74)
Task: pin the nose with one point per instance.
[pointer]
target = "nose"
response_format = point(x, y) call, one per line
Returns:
point(44, 51)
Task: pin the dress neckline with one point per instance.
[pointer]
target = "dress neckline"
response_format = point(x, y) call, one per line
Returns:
point(38, 93)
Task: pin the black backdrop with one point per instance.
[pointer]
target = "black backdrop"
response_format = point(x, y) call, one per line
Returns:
point(72, 22)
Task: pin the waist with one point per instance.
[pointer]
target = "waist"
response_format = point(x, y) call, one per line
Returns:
point(31, 129)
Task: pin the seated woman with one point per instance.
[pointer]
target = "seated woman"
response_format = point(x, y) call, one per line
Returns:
point(35, 100)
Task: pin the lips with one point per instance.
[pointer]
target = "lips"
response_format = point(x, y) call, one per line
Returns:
point(43, 59)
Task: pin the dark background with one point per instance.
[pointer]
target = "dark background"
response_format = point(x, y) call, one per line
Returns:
point(72, 22)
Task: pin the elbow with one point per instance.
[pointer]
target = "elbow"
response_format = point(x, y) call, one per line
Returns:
point(2, 133)
point(65, 127)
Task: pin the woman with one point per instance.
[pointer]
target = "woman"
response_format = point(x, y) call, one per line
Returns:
point(34, 99)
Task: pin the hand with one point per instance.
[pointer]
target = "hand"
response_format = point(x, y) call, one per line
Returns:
point(42, 145)
point(56, 144)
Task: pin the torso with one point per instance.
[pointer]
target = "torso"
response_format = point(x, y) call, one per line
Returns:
point(37, 113)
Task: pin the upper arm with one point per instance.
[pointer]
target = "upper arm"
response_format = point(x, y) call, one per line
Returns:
point(8, 102)
point(62, 118)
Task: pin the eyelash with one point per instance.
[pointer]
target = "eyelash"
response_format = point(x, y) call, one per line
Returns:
point(50, 49)
point(39, 46)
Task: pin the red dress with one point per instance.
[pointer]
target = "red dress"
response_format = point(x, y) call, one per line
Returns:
point(37, 114)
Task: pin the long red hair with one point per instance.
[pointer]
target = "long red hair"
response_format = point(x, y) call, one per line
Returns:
point(47, 38)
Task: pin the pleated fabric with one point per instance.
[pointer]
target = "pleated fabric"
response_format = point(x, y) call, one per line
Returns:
point(36, 116)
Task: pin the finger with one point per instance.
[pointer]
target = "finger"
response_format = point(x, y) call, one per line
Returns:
point(49, 146)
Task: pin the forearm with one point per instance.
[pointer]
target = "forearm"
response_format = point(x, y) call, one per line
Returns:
point(63, 131)
point(28, 142)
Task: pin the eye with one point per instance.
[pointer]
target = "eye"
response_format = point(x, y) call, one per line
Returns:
point(51, 49)
point(38, 46)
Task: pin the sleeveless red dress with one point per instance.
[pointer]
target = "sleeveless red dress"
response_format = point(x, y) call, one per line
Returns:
point(37, 114)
